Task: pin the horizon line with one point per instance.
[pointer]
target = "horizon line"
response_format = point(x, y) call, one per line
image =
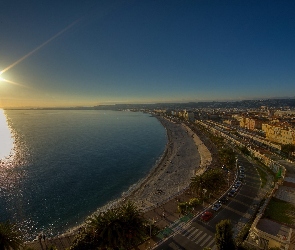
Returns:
point(143, 103)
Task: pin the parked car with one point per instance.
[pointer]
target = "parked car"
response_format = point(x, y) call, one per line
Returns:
point(223, 200)
point(206, 216)
point(237, 184)
point(232, 192)
point(216, 206)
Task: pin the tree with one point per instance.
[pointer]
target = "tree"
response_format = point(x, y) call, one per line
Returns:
point(197, 184)
point(224, 235)
point(120, 227)
point(227, 157)
point(211, 180)
point(10, 236)
point(133, 224)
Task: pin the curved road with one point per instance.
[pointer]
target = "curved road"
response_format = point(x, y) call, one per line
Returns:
point(198, 235)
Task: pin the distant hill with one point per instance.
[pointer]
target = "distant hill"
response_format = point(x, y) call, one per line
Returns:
point(246, 104)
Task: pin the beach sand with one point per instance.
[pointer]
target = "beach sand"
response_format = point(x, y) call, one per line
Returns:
point(184, 157)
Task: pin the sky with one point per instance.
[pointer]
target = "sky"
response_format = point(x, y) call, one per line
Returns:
point(84, 53)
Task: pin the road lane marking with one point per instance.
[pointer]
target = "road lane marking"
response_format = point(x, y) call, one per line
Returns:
point(197, 236)
point(192, 234)
point(204, 242)
point(197, 242)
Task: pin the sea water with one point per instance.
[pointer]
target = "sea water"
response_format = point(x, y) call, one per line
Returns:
point(68, 163)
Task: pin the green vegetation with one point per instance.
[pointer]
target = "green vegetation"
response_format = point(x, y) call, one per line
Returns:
point(186, 207)
point(280, 211)
point(217, 140)
point(211, 181)
point(182, 207)
point(194, 202)
point(10, 236)
point(120, 227)
point(227, 157)
point(224, 235)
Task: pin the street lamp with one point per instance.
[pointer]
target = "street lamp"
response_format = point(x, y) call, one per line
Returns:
point(151, 223)
point(204, 191)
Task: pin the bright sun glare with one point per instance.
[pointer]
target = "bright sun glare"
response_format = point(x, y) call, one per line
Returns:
point(1, 78)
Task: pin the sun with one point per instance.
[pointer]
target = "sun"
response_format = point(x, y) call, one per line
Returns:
point(10, 82)
point(2, 79)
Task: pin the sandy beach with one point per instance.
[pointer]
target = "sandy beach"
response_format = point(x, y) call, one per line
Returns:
point(185, 156)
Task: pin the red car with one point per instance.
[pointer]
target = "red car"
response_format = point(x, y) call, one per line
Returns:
point(206, 216)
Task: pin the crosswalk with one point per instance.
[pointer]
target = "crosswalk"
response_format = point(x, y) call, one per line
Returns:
point(201, 238)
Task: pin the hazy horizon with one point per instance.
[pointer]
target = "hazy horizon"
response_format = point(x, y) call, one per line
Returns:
point(60, 54)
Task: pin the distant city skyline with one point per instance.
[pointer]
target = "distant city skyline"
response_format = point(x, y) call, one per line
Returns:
point(72, 53)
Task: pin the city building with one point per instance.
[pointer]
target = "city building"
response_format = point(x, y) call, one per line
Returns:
point(279, 132)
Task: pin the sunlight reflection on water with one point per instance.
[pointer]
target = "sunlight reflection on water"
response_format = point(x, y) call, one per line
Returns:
point(6, 139)
point(11, 159)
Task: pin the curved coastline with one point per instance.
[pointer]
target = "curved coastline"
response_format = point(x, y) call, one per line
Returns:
point(184, 156)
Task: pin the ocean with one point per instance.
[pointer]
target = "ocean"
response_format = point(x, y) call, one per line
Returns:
point(65, 164)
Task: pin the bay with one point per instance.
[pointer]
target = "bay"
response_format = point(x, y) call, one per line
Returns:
point(69, 163)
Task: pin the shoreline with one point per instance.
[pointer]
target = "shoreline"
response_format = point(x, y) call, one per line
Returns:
point(184, 156)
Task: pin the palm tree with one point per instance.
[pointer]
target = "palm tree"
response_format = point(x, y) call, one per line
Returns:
point(227, 157)
point(106, 229)
point(214, 179)
point(133, 224)
point(197, 184)
point(10, 236)
point(123, 226)
point(211, 180)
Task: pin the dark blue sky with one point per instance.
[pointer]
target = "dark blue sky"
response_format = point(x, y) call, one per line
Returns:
point(145, 51)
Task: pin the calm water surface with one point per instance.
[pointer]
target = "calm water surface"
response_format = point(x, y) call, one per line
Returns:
point(69, 163)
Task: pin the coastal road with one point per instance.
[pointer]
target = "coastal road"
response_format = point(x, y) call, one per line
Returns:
point(239, 209)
